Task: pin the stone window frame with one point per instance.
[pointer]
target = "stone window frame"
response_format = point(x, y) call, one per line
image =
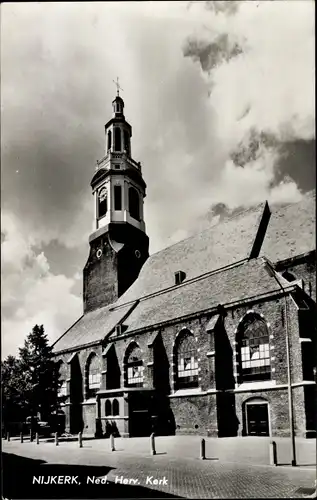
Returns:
point(183, 333)
point(91, 391)
point(237, 352)
point(63, 389)
point(112, 408)
point(129, 350)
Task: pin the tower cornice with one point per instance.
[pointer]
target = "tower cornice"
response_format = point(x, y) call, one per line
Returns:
point(103, 173)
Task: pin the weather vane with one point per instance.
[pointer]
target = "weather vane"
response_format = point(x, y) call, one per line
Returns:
point(117, 85)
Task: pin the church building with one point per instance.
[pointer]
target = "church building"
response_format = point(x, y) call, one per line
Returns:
point(214, 335)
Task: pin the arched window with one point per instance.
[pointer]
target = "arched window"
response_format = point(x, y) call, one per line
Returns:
point(134, 203)
point(115, 407)
point(117, 139)
point(108, 408)
point(186, 362)
point(94, 375)
point(62, 386)
point(135, 368)
point(109, 139)
point(253, 349)
point(102, 203)
point(126, 142)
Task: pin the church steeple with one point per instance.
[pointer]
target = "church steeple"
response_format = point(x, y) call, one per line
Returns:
point(119, 244)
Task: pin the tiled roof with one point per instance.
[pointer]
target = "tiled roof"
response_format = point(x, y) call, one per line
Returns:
point(92, 327)
point(218, 246)
point(291, 230)
point(236, 283)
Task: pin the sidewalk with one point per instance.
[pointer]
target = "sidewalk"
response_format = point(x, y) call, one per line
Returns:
point(179, 476)
point(251, 450)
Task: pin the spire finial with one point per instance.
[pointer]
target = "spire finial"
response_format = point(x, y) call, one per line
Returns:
point(117, 85)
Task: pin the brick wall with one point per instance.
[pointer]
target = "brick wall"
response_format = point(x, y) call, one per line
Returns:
point(79, 416)
point(219, 412)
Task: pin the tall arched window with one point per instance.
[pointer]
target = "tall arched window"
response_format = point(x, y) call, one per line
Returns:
point(253, 349)
point(94, 375)
point(134, 203)
point(134, 367)
point(108, 408)
point(186, 362)
point(62, 386)
point(109, 139)
point(115, 407)
point(117, 139)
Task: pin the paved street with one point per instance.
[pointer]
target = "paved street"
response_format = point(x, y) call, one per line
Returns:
point(235, 468)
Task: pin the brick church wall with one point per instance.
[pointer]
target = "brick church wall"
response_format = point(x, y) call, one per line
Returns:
point(200, 414)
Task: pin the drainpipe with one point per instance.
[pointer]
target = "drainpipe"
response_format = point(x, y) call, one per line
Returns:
point(289, 383)
point(289, 373)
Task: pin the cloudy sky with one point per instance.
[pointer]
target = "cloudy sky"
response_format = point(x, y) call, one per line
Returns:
point(221, 99)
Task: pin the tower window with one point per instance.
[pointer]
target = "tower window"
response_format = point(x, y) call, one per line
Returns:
point(127, 142)
point(134, 203)
point(117, 139)
point(102, 203)
point(117, 198)
point(109, 140)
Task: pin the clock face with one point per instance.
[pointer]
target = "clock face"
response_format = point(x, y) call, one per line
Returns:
point(99, 253)
point(102, 194)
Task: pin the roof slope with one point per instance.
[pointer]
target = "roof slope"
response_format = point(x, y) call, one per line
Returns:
point(218, 246)
point(242, 281)
point(291, 230)
point(91, 327)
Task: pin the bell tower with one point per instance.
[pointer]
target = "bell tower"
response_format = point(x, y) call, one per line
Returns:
point(119, 244)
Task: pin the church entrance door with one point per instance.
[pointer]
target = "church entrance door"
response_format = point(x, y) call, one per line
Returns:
point(257, 419)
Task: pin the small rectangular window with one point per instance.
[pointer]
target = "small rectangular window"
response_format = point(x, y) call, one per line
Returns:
point(117, 198)
point(179, 277)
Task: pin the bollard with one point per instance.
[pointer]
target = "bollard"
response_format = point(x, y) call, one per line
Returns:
point(112, 442)
point(56, 438)
point(21, 437)
point(31, 436)
point(273, 453)
point(203, 449)
point(37, 438)
point(152, 440)
point(80, 439)
point(8, 436)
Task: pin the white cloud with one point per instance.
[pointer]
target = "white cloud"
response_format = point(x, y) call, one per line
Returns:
point(58, 61)
point(31, 294)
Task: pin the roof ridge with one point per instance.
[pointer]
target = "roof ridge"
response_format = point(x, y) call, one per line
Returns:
point(224, 221)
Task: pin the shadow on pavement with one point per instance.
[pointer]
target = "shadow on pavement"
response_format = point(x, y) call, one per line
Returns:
point(18, 477)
